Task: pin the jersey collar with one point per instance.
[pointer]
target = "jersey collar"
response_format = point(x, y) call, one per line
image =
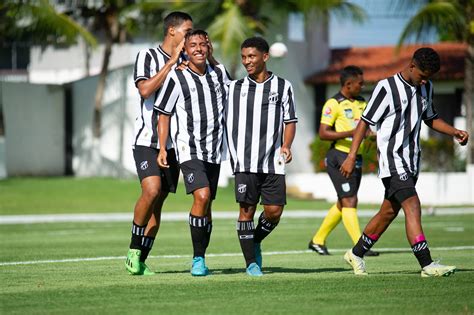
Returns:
point(268, 79)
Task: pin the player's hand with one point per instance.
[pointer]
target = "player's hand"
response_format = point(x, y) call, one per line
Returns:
point(162, 159)
point(183, 65)
point(210, 49)
point(286, 152)
point(461, 136)
point(177, 52)
point(347, 167)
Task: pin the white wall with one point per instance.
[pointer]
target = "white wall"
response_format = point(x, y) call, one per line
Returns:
point(34, 129)
point(433, 188)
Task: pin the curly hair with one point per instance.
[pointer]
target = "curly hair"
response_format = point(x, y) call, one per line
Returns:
point(427, 59)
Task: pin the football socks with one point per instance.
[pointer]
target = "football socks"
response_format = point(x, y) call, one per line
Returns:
point(264, 227)
point(329, 223)
point(351, 223)
point(245, 232)
point(198, 226)
point(137, 234)
point(363, 245)
point(146, 246)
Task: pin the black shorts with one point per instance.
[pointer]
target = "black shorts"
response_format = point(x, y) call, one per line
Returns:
point(250, 186)
point(345, 187)
point(400, 187)
point(145, 161)
point(199, 174)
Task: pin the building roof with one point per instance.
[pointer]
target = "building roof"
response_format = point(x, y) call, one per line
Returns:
point(379, 62)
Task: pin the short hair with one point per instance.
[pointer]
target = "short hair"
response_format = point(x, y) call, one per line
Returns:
point(256, 42)
point(349, 72)
point(174, 19)
point(427, 59)
point(195, 33)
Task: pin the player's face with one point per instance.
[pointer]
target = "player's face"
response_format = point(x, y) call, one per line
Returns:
point(181, 30)
point(196, 48)
point(356, 84)
point(417, 76)
point(253, 60)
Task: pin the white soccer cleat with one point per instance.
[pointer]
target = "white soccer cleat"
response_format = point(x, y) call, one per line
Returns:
point(357, 263)
point(437, 270)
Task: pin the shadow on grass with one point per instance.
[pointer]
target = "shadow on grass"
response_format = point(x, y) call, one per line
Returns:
point(266, 270)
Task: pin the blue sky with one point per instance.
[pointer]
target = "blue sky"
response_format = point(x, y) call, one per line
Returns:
point(383, 26)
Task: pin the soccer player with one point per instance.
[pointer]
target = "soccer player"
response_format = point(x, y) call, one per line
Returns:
point(340, 116)
point(261, 125)
point(397, 107)
point(151, 68)
point(192, 102)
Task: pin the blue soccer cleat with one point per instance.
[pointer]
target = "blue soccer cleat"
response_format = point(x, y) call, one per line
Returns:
point(199, 268)
point(254, 270)
point(258, 255)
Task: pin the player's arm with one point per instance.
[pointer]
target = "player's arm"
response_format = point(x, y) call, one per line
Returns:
point(326, 132)
point(347, 166)
point(288, 137)
point(149, 86)
point(441, 126)
point(163, 127)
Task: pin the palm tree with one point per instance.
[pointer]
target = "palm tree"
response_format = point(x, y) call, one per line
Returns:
point(229, 22)
point(452, 20)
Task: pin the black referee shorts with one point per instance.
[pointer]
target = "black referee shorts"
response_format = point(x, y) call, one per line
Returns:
point(400, 187)
point(199, 174)
point(345, 187)
point(146, 164)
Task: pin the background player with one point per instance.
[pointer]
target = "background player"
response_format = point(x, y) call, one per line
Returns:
point(340, 116)
point(261, 126)
point(397, 107)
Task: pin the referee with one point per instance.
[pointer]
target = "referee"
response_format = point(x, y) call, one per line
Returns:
point(397, 107)
point(151, 68)
point(261, 125)
point(192, 102)
point(340, 116)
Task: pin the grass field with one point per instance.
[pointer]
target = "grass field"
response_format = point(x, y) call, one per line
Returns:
point(77, 267)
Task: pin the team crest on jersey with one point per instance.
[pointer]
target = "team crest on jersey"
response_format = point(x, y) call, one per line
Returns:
point(242, 188)
point(144, 165)
point(190, 178)
point(193, 89)
point(273, 97)
point(349, 114)
point(404, 176)
point(404, 102)
point(346, 187)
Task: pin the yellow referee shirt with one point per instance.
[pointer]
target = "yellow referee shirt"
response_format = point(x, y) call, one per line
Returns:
point(344, 115)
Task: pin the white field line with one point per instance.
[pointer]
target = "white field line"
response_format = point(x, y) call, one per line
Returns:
point(183, 216)
point(290, 252)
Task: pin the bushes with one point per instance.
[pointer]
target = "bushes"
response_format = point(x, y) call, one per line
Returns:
point(319, 148)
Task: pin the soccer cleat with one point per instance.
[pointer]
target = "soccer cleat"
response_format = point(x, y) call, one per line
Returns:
point(357, 263)
point(254, 270)
point(437, 270)
point(199, 268)
point(320, 249)
point(371, 253)
point(132, 263)
point(145, 271)
point(258, 254)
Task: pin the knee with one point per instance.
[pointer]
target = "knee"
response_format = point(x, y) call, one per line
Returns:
point(202, 196)
point(151, 190)
point(349, 202)
point(273, 213)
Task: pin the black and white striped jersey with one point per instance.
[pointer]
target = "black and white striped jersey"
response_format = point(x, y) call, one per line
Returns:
point(196, 103)
point(256, 114)
point(148, 63)
point(397, 108)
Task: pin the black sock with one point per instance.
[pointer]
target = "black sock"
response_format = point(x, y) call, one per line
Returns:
point(422, 253)
point(137, 234)
point(147, 244)
point(263, 228)
point(198, 227)
point(245, 231)
point(363, 245)
point(208, 234)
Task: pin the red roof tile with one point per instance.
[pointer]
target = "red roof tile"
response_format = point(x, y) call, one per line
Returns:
point(380, 62)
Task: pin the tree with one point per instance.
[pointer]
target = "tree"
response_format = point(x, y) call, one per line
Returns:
point(451, 20)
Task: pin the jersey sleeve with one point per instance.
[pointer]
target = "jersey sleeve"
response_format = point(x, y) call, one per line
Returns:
point(168, 96)
point(430, 112)
point(289, 106)
point(330, 111)
point(142, 67)
point(378, 104)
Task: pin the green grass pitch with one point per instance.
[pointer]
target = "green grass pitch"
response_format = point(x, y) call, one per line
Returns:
point(77, 267)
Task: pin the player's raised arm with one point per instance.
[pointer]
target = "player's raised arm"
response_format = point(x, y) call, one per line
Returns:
point(347, 166)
